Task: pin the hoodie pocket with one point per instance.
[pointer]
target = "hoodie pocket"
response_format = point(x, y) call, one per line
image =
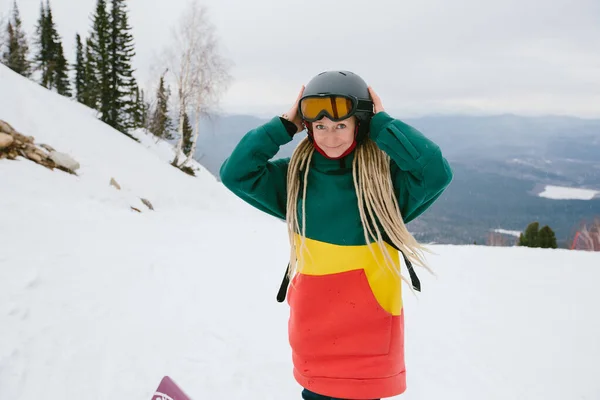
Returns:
point(337, 315)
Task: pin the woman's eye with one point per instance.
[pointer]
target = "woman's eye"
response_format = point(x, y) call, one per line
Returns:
point(341, 126)
point(320, 126)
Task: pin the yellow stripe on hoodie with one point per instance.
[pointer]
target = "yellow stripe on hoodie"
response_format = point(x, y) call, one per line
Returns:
point(320, 258)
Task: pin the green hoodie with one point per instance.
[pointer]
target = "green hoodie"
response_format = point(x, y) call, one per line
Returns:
point(346, 322)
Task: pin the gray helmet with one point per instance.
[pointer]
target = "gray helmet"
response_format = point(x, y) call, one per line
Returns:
point(345, 84)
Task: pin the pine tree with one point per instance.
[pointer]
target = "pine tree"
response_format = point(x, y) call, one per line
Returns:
point(61, 78)
point(161, 124)
point(135, 109)
point(522, 240)
point(53, 43)
point(16, 56)
point(187, 135)
point(91, 93)
point(547, 238)
point(145, 107)
point(99, 60)
point(10, 42)
point(50, 58)
point(44, 61)
point(80, 82)
point(140, 112)
point(60, 68)
point(124, 87)
point(531, 236)
point(108, 60)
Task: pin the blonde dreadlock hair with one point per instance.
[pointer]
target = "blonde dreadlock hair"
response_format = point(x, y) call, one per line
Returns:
point(376, 203)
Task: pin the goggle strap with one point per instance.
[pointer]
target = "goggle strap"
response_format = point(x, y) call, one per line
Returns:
point(364, 105)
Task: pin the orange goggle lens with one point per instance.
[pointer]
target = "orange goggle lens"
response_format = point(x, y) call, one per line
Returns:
point(334, 107)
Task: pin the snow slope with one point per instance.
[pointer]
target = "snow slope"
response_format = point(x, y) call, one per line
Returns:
point(567, 193)
point(98, 301)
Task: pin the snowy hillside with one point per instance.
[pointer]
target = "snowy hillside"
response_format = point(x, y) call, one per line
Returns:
point(98, 301)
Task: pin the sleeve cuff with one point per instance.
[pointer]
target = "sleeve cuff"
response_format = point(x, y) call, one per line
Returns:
point(277, 131)
point(289, 126)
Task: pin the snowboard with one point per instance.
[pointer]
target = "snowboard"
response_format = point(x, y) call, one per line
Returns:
point(168, 390)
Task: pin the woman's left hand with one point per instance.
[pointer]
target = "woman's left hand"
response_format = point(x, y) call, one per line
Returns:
point(378, 107)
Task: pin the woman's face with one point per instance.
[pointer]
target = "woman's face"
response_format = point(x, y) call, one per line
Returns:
point(334, 137)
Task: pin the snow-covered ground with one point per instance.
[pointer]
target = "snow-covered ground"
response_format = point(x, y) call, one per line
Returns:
point(98, 301)
point(567, 193)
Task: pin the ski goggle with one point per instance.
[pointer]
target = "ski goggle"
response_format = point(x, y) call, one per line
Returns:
point(335, 107)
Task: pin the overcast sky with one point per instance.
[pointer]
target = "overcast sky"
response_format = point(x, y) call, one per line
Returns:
point(528, 57)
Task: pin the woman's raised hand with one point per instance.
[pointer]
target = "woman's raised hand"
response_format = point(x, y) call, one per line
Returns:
point(378, 107)
point(293, 115)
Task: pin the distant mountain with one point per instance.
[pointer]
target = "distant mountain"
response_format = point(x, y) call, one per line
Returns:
point(499, 162)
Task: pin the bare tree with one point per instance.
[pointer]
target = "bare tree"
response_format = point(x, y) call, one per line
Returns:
point(200, 73)
point(587, 237)
point(497, 239)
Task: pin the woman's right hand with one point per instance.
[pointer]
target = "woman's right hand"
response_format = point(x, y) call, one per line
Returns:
point(293, 115)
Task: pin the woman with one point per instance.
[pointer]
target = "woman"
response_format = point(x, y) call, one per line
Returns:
point(346, 193)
